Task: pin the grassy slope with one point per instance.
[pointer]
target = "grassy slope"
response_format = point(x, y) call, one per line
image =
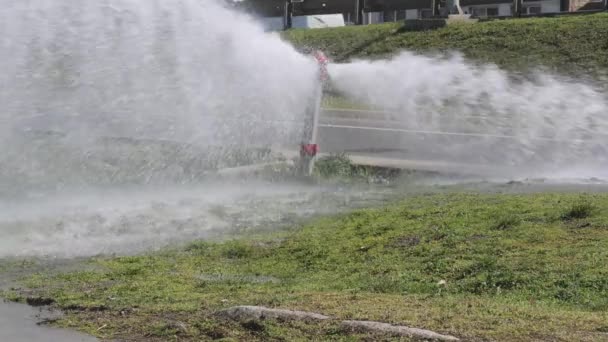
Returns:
point(517, 267)
point(571, 44)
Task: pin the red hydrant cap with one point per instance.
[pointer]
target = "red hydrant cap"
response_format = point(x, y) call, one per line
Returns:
point(310, 149)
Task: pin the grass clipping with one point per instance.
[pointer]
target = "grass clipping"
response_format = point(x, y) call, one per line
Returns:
point(479, 267)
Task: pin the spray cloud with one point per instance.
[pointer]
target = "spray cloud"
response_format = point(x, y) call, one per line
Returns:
point(538, 122)
point(180, 70)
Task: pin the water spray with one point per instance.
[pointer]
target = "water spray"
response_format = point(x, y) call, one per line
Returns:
point(309, 147)
point(79, 80)
point(448, 109)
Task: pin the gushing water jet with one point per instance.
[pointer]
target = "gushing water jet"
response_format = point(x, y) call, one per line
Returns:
point(183, 71)
point(453, 110)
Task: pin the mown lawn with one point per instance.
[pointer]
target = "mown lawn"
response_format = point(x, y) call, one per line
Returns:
point(571, 45)
point(477, 266)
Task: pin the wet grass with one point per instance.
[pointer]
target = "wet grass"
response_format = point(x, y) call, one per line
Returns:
point(579, 210)
point(572, 45)
point(341, 102)
point(478, 266)
point(338, 167)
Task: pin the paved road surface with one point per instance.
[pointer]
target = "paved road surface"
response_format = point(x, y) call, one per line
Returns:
point(463, 144)
point(479, 144)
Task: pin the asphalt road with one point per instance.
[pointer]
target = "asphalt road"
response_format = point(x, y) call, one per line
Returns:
point(462, 144)
point(481, 144)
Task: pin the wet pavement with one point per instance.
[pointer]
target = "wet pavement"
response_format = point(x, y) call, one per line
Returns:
point(19, 323)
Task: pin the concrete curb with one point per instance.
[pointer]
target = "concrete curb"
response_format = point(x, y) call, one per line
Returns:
point(417, 165)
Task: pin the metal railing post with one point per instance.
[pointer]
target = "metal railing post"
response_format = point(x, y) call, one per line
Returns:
point(517, 7)
point(288, 15)
point(359, 5)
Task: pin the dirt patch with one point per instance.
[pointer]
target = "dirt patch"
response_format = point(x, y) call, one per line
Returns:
point(39, 301)
point(406, 241)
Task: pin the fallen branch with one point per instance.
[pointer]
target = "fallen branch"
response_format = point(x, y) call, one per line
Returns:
point(398, 330)
point(246, 313)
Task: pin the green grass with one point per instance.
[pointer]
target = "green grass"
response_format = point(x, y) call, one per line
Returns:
point(516, 267)
point(340, 168)
point(579, 210)
point(568, 44)
point(341, 102)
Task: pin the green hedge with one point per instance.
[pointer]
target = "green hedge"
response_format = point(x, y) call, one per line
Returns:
point(568, 44)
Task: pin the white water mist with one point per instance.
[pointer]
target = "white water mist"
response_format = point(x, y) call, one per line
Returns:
point(189, 71)
point(540, 122)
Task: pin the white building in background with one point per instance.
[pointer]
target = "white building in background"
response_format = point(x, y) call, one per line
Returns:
point(392, 16)
point(483, 9)
point(478, 8)
point(506, 8)
point(308, 21)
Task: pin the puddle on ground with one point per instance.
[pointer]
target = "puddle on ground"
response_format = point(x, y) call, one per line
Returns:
point(19, 323)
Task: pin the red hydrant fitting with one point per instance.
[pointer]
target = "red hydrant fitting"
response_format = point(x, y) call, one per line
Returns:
point(309, 150)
